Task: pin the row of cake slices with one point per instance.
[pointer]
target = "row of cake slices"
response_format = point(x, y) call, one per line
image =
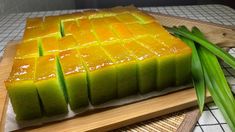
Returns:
point(98, 33)
point(95, 74)
point(54, 25)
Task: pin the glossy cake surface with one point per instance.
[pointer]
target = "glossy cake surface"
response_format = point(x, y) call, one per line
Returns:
point(126, 69)
point(21, 88)
point(75, 78)
point(92, 57)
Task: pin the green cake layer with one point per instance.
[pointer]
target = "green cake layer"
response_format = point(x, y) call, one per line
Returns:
point(92, 57)
point(75, 78)
point(22, 91)
point(183, 57)
point(49, 45)
point(146, 66)
point(126, 69)
point(50, 86)
point(101, 75)
point(165, 62)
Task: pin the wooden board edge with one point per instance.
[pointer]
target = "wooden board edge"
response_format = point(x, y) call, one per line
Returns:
point(3, 93)
point(193, 20)
point(101, 126)
point(190, 120)
point(3, 114)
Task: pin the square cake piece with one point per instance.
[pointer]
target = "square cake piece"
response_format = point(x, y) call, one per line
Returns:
point(49, 45)
point(183, 58)
point(68, 27)
point(50, 86)
point(67, 43)
point(29, 49)
point(126, 69)
point(101, 74)
point(146, 62)
point(22, 90)
point(34, 22)
point(75, 78)
point(165, 61)
point(102, 30)
point(121, 30)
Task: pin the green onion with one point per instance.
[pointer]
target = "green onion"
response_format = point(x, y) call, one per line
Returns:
point(197, 73)
point(229, 59)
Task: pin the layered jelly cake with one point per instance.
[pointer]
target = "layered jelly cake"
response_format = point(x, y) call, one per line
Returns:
point(22, 90)
point(50, 85)
point(75, 77)
point(92, 57)
point(102, 82)
point(126, 69)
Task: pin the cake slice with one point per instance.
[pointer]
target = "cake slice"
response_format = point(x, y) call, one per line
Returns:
point(46, 30)
point(51, 20)
point(156, 30)
point(84, 36)
point(49, 45)
point(183, 55)
point(102, 30)
point(68, 27)
point(101, 74)
point(120, 29)
point(67, 43)
point(50, 86)
point(34, 22)
point(126, 69)
point(75, 78)
point(32, 34)
point(136, 29)
point(51, 30)
point(29, 49)
point(165, 73)
point(84, 24)
point(146, 62)
point(22, 90)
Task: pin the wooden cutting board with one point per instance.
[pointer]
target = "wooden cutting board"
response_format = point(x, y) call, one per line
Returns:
point(125, 115)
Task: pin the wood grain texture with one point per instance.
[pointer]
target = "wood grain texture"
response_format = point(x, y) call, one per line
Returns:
point(179, 121)
point(121, 116)
point(189, 121)
point(221, 35)
point(5, 68)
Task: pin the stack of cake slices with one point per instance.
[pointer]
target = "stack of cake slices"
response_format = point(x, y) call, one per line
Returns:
point(92, 57)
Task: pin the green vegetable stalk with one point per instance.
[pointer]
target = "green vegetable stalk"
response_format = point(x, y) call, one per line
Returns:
point(205, 67)
point(197, 73)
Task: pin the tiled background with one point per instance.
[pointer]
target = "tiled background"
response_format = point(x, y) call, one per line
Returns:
point(13, 6)
point(12, 28)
